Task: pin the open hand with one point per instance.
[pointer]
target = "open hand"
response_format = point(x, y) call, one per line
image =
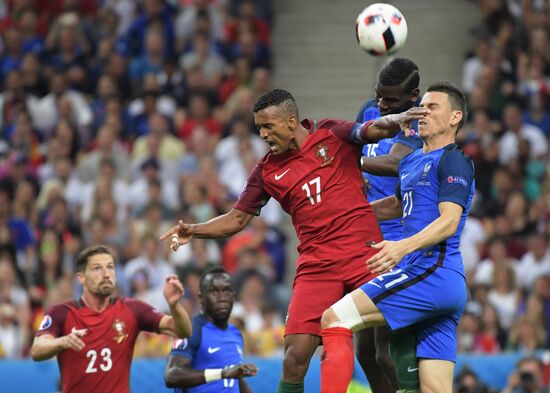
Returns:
point(389, 255)
point(173, 289)
point(73, 340)
point(240, 371)
point(404, 119)
point(179, 235)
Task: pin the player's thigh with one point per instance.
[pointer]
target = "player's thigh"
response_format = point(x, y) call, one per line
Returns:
point(316, 288)
point(436, 337)
point(403, 353)
point(436, 376)
point(413, 294)
point(354, 272)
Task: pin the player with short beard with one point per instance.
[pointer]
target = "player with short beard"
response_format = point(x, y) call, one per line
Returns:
point(93, 337)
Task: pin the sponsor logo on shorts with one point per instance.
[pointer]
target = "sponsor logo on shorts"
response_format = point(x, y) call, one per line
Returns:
point(412, 370)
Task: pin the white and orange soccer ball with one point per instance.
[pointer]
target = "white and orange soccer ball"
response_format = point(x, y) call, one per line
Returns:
point(381, 29)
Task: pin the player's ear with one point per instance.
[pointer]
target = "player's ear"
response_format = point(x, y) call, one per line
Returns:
point(456, 117)
point(414, 94)
point(292, 122)
point(80, 276)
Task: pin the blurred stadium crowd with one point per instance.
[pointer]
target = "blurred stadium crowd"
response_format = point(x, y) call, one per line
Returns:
point(119, 116)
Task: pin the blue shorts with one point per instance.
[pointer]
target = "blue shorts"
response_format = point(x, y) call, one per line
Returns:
point(425, 295)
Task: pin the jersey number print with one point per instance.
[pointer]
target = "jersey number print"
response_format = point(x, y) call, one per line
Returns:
point(315, 183)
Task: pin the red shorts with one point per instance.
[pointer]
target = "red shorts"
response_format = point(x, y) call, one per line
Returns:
point(320, 284)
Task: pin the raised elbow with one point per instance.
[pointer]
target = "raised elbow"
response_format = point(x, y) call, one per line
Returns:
point(36, 355)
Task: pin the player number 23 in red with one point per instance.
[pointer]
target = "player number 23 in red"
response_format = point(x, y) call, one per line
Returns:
point(105, 363)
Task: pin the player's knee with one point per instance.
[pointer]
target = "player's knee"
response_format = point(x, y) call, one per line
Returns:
point(329, 318)
point(295, 365)
point(344, 314)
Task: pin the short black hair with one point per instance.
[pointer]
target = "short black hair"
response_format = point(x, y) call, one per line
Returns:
point(85, 255)
point(400, 72)
point(456, 98)
point(208, 272)
point(277, 97)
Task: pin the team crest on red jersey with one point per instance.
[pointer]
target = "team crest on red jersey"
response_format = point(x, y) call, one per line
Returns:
point(120, 329)
point(322, 152)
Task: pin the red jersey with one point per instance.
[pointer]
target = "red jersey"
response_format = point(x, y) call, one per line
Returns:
point(104, 363)
point(321, 187)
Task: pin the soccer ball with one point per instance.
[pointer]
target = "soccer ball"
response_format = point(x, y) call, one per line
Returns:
point(381, 29)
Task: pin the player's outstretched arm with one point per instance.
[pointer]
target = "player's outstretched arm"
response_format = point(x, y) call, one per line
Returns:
point(47, 346)
point(218, 227)
point(178, 373)
point(177, 324)
point(388, 126)
point(387, 164)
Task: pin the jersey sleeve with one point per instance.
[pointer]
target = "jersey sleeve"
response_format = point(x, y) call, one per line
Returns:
point(53, 321)
point(456, 175)
point(347, 131)
point(368, 111)
point(188, 346)
point(414, 142)
point(147, 316)
point(254, 196)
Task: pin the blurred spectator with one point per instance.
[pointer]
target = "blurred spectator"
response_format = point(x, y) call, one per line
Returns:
point(34, 81)
point(15, 309)
point(155, 13)
point(11, 334)
point(504, 294)
point(526, 335)
point(497, 256)
point(138, 195)
point(150, 261)
point(19, 233)
point(158, 143)
point(187, 21)
point(471, 245)
point(141, 289)
point(248, 14)
point(14, 99)
point(203, 55)
point(536, 262)
point(152, 60)
point(252, 294)
point(48, 109)
point(526, 378)
point(493, 338)
point(200, 115)
point(517, 129)
point(468, 331)
point(107, 147)
point(467, 381)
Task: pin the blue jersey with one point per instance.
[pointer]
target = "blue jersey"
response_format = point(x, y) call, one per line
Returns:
point(381, 186)
point(211, 347)
point(429, 292)
point(426, 179)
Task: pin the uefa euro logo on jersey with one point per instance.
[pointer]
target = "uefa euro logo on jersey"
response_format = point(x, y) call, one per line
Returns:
point(322, 152)
point(120, 329)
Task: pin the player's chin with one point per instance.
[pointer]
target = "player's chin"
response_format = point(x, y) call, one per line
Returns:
point(223, 314)
point(106, 290)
